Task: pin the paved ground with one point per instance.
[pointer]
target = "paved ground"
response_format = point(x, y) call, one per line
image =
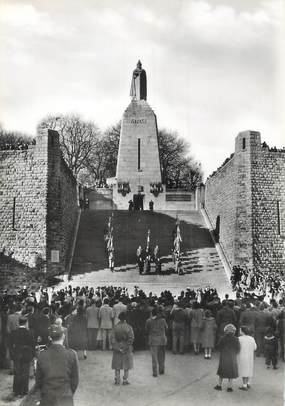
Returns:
point(189, 380)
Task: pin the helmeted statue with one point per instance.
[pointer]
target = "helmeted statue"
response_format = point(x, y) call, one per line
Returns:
point(138, 85)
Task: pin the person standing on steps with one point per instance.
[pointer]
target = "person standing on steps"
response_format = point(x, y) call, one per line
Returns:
point(156, 328)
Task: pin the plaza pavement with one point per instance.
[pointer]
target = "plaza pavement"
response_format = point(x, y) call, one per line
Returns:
point(189, 380)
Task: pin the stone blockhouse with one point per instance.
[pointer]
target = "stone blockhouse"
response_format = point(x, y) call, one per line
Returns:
point(38, 204)
point(245, 202)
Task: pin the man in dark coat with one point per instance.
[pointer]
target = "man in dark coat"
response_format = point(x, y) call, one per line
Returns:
point(57, 374)
point(225, 316)
point(22, 352)
point(264, 320)
point(248, 318)
point(156, 328)
point(41, 324)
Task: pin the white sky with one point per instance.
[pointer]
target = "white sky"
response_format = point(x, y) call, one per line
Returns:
point(214, 67)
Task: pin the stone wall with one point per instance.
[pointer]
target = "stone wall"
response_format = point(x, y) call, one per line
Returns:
point(62, 207)
point(220, 202)
point(248, 195)
point(38, 203)
point(268, 191)
point(23, 209)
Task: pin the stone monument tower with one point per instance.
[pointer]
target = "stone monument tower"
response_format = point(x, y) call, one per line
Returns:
point(138, 176)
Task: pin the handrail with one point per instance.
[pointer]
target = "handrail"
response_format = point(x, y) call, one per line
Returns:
point(219, 247)
point(68, 269)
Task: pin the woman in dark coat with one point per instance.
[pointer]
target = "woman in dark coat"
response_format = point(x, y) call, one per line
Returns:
point(122, 339)
point(229, 347)
point(77, 331)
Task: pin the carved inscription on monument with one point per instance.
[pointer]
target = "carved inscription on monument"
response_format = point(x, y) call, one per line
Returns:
point(138, 121)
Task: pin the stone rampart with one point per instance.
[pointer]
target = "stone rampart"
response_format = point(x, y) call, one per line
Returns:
point(23, 209)
point(245, 201)
point(268, 200)
point(62, 207)
point(38, 204)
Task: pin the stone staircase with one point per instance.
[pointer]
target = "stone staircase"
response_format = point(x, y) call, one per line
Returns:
point(200, 261)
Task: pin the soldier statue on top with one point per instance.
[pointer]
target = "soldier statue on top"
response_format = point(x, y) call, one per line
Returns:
point(138, 85)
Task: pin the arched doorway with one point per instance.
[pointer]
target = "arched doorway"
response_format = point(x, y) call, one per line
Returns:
point(138, 201)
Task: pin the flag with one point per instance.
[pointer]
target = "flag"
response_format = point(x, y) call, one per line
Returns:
point(148, 240)
point(109, 223)
point(178, 235)
point(110, 245)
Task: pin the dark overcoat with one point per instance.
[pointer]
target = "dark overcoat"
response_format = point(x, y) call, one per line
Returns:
point(57, 376)
point(229, 347)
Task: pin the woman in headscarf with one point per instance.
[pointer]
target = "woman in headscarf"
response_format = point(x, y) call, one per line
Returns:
point(229, 346)
point(246, 356)
point(122, 339)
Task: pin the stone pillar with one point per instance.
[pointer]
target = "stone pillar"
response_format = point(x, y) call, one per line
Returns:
point(246, 143)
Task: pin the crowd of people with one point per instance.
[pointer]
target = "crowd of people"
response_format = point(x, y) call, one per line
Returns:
point(111, 318)
point(101, 183)
point(20, 146)
point(260, 282)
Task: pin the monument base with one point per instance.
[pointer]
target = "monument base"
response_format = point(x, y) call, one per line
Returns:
point(184, 201)
point(143, 198)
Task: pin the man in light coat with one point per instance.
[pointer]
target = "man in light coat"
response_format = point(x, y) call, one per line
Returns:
point(119, 307)
point(106, 317)
point(93, 323)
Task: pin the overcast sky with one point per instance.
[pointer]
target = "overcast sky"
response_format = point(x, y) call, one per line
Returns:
point(214, 67)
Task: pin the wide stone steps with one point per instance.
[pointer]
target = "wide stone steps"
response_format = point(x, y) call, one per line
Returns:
point(200, 261)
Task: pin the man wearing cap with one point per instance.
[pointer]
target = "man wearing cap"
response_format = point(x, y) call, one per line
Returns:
point(22, 352)
point(57, 374)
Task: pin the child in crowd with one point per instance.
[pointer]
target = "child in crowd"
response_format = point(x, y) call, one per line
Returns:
point(209, 327)
point(270, 348)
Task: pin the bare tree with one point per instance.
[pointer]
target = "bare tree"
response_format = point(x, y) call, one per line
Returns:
point(177, 166)
point(78, 139)
point(103, 160)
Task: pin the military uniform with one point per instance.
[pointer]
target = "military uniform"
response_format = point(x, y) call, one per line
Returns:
point(57, 376)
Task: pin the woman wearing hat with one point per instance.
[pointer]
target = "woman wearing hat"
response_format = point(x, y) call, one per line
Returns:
point(229, 346)
point(122, 339)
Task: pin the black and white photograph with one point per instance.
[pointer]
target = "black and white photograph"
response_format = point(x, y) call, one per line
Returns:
point(142, 202)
